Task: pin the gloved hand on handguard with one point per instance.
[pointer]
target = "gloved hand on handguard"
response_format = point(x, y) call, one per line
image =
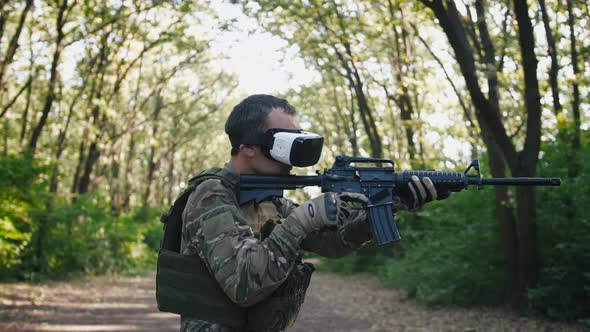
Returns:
point(416, 194)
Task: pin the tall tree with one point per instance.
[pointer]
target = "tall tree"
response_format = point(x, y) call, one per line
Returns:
point(63, 12)
point(14, 41)
point(552, 50)
point(520, 248)
point(576, 72)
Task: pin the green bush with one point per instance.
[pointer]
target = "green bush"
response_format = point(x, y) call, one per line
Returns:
point(455, 260)
point(85, 238)
point(45, 235)
point(151, 227)
point(563, 290)
point(367, 259)
point(19, 193)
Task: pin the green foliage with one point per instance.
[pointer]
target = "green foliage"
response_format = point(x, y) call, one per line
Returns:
point(85, 238)
point(18, 189)
point(367, 259)
point(44, 235)
point(454, 259)
point(448, 255)
point(563, 291)
point(149, 219)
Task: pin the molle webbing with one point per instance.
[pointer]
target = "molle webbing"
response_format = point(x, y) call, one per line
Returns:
point(184, 285)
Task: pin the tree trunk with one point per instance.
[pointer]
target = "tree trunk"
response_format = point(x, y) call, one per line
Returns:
point(114, 176)
point(25, 116)
point(6, 107)
point(81, 158)
point(506, 223)
point(51, 93)
point(91, 159)
point(344, 122)
point(151, 162)
point(577, 76)
point(367, 117)
point(5, 134)
point(552, 49)
point(40, 239)
point(171, 180)
point(528, 157)
point(3, 16)
point(404, 100)
point(13, 45)
point(451, 22)
point(354, 141)
point(98, 119)
point(521, 163)
point(128, 173)
point(61, 144)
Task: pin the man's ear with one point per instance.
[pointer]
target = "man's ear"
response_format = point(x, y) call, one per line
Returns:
point(248, 150)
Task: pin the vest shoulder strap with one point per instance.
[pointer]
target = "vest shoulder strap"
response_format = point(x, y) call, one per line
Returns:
point(227, 178)
point(172, 219)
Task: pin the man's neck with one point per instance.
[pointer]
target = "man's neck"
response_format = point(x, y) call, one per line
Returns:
point(239, 165)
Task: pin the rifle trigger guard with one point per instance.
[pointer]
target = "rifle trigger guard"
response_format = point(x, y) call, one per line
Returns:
point(379, 204)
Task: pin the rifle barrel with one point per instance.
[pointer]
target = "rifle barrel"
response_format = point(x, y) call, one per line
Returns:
point(517, 181)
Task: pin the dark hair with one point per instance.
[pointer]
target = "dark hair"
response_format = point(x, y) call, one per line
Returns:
point(250, 115)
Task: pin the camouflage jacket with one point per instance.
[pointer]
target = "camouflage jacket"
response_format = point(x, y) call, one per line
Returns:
point(227, 238)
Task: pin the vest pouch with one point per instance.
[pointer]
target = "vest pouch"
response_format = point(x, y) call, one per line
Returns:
point(184, 286)
point(280, 310)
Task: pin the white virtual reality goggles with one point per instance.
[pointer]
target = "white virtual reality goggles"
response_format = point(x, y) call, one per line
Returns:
point(293, 147)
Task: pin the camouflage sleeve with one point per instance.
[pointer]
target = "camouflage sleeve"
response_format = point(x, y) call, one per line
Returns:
point(327, 243)
point(247, 270)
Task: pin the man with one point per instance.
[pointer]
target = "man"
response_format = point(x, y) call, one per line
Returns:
point(252, 251)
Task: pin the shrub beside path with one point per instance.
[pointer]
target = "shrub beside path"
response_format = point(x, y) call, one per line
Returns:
point(334, 303)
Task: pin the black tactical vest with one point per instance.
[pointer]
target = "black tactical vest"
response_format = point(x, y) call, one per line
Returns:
point(185, 286)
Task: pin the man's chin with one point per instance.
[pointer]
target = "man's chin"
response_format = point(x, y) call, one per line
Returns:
point(283, 171)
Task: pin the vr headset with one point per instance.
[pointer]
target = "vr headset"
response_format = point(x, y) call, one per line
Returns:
point(293, 147)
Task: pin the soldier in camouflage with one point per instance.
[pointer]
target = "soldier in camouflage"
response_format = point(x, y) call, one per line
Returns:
point(227, 236)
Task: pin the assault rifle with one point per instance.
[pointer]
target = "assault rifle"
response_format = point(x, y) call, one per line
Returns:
point(379, 184)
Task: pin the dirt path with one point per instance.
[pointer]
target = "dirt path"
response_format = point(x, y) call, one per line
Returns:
point(334, 303)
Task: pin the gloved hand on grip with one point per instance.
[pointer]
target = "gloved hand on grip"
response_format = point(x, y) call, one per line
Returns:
point(326, 210)
point(355, 231)
point(351, 208)
point(416, 194)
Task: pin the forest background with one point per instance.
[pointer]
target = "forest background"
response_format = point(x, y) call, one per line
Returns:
point(107, 107)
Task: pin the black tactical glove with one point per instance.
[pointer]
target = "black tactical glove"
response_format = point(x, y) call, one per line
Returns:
point(416, 194)
point(327, 210)
point(356, 230)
